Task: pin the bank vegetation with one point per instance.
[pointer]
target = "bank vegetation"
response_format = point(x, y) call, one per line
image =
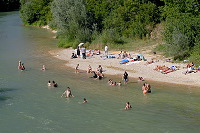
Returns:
point(172, 25)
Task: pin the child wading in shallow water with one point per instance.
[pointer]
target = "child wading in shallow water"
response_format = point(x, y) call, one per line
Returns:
point(76, 69)
point(89, 69)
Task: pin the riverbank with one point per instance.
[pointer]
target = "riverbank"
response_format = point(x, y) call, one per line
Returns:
point(111, 66)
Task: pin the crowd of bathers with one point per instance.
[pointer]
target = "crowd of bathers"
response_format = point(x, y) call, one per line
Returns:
point(98, 75)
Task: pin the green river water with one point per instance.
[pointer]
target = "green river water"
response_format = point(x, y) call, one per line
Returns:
point(27, 105)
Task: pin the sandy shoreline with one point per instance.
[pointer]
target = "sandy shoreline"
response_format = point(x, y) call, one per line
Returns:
point(138, 69)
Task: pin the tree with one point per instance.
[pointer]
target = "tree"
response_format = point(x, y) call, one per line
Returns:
point(36, 12)
point(70, 19)
point(182, 27)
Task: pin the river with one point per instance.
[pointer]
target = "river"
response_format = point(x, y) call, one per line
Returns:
point(27, 105)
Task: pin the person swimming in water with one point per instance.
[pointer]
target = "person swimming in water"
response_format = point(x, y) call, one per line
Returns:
point(43, 67)
point(84, 101)
point(128, 106)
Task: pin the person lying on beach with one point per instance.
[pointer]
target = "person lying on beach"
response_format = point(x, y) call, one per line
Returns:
point(84, 101)
point(97, 52)
point(140, 79)
point(67, 93)
point(128, 106)
point(167, 70)
point(149, 62)
point(160, 68)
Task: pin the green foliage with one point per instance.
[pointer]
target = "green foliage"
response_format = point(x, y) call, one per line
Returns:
point(69, 17)
point(182, 27)
point(118, 22)
point(133, 19)
point(35, 12)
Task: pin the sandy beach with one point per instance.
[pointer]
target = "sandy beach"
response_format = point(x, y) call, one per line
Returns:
point(111, 66)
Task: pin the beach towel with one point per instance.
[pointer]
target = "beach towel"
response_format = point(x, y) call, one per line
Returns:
point(123, 61)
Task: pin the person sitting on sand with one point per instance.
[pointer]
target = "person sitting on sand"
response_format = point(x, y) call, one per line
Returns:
point(67, 92)
point(89, 69)
point(190, 65)
point(128, 106)
point(120, 55)
point(190, 70)
point(73, 56)
point(124, 55)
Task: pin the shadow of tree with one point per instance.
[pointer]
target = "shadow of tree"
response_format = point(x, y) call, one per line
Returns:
point(4, 90)
point(3, 98)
